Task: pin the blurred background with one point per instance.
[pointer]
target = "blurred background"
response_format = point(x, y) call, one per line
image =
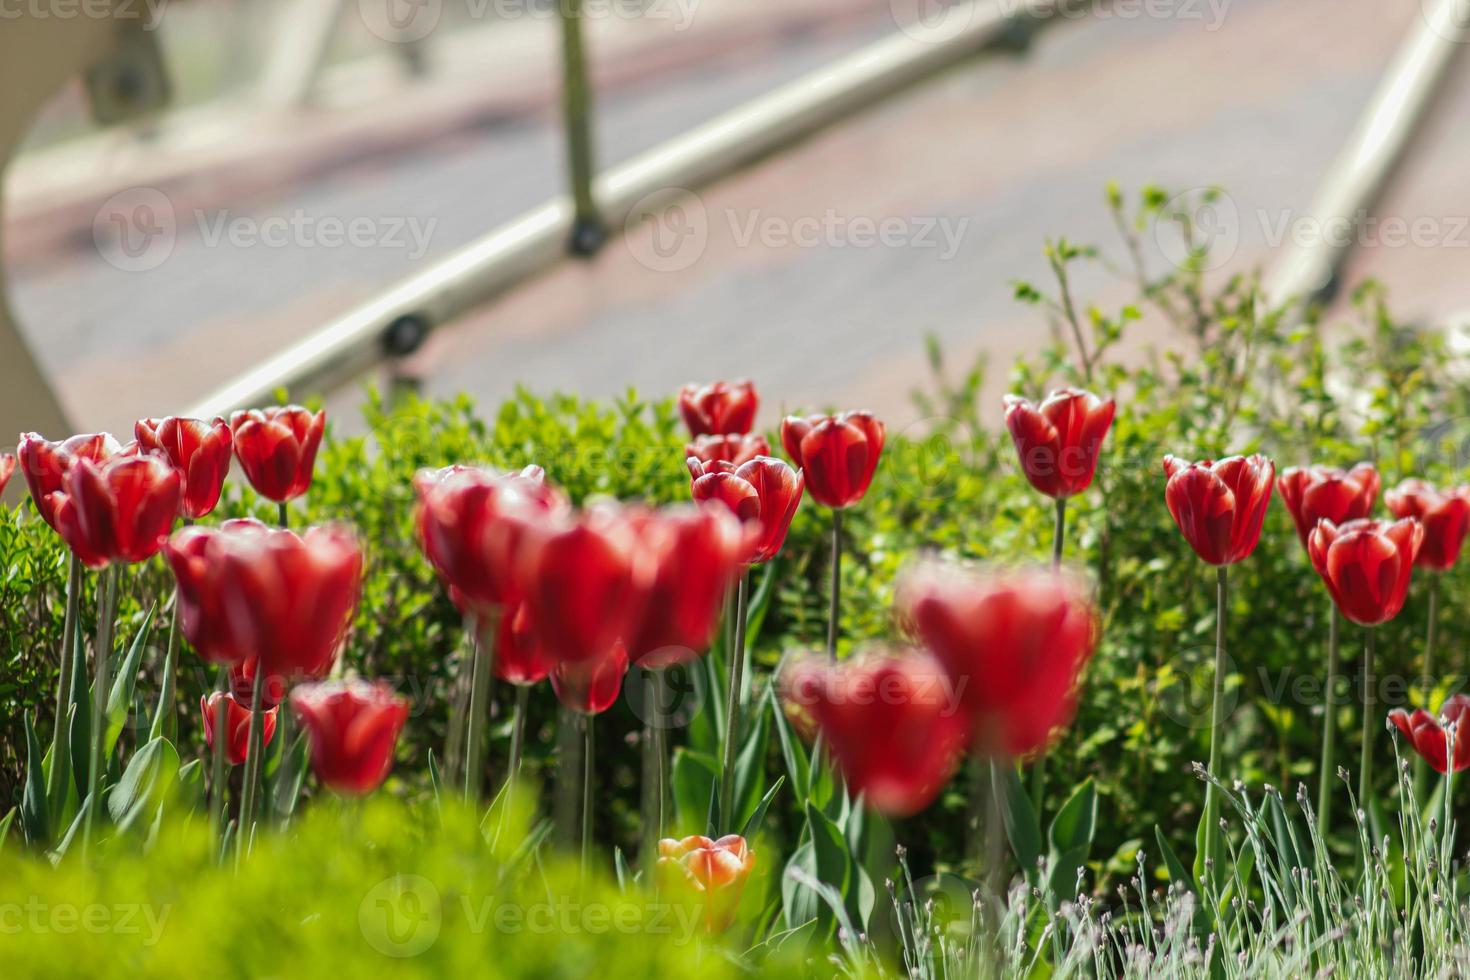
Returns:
point(207, 200)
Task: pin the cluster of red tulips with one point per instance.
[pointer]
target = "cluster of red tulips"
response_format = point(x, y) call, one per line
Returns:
point(270, 607)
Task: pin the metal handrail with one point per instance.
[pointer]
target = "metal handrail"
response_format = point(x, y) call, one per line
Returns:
point(1360, 174)
point(396, 321)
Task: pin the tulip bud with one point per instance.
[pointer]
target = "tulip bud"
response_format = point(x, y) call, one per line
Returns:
point(721, 408)
point(1445, 517)
point(837, 454)
point(118, 511)
point(1220, 507)
point(353, 727)
point(199, 450)
point(1430, 736)
point(706, 873)
point(277, 449)
point(763, 493)
point(734, 449)
point(237, 724)
point(590, 687)
point(1366, 565)
point(7, 469)
point(1319, 493)
point(1058, 442)
point(45, 463)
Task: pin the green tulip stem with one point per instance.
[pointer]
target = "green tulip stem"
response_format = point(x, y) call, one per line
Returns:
point(517, 737)
point(283, 514)
point(732, 704)
point(1370, 705)
point(1059, 533)
point(1212, 801)
point(483, 641)
point(101, 688)
point(61, 737)
point(588, 745)
point(1038, 766)
point(1431, 633)
point(1329, 724)
point(836, 584)
point(217, 768)
point(253, 751)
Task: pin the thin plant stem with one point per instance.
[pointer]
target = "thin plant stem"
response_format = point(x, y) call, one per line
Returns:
point(1329, 725)
point(280, 807)
point(253, 751)
point(1212, 802)
point(1059, 535)
point(168, 725)
point(61, 737)
point(101, 688)
point(588, 746)
point(283, 515)
point(661, 753)
point(479, 706)
point(732, 704)
point(1421, 768)
point(836, 600)
point(217, 766)
point(1370, 706)
point(517, 733)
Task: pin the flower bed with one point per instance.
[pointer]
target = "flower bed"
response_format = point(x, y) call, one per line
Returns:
point(500, 616)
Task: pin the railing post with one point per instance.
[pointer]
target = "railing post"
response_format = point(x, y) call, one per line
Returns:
point(588, 232)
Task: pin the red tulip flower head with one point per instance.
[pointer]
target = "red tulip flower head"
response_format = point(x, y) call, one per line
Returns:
point(277, 449)
point(44, 463)
point(353, 727)
point(1446, 518)
point(892, 720)
point(1014, 644)
point(1366, 565)
point(590, 687)
point(237, 725)
point(707, 873)
point(199, 450)
point(1324, 493)
point(7, 469)
point(733, 449)
point(1431, 736)
point(1058, 441)
point(695, 551)
point(520, 658)
point(722, 408)
point(1220, 506)
point(246, 590)
point(584, 578)
point(471, 523)
point(764, 493)
point(118, 511)
point(838, 454)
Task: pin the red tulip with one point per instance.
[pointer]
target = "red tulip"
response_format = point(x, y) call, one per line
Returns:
point(1058, 441)
point(246, 590)
point(520, 658)
point(118, 510)
point(592, 686)
point(1220, 507)
point(891, 719)
point(1430, 736)
point(710, 874)
point(1317, 493)
point(353, 727)
point(1014, 644)
point(7, 469)
point(1445, 517)
point(277, 449)
point(242, 685)
point(199, 450)
point(735, 449)
point(584, 579)
point(838, 454)
point(237, 723)
point(720, 409)
point(1366, 565)
point(695, 552)
point(44, 463)
point(471, 522)
point(764, 493)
